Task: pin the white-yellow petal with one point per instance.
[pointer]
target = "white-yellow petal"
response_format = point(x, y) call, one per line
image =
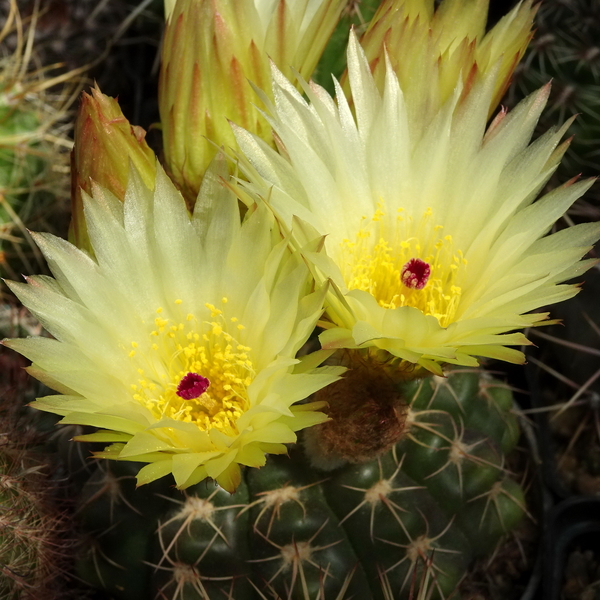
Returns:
point(435, 242)
point(179, 338)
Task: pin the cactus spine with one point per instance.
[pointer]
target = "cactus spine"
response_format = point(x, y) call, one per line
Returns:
point(565, 49)
point(35, 544)
point(438, 499)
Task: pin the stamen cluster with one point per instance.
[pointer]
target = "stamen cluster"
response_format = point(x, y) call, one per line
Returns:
point(194, 371)
point(405, 263)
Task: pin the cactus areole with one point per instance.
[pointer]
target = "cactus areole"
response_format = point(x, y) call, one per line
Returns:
point(438, 499)
point(367, 412)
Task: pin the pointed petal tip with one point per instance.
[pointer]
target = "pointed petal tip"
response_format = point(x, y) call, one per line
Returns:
point(545, 89)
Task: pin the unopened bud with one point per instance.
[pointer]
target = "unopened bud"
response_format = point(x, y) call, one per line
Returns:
point(433, 52)
point(212, 51)
point(105, 145)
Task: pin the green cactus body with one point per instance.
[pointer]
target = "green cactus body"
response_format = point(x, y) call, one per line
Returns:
point(203, 544)
point(120, 525)
point(439, 499)
point(19, 166)
point(34, 184)
point(357, 15)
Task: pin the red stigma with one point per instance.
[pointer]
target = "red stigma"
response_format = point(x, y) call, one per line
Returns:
point(415, 274)
point(192, 386)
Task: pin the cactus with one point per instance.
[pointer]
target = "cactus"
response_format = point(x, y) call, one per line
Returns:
point(565, 49)
point(568, 380)
point(33, 147)
point(36, 547)
point(419, 515)
point(438, 499)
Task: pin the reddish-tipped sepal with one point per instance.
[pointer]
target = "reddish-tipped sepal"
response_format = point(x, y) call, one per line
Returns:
point(106, 145)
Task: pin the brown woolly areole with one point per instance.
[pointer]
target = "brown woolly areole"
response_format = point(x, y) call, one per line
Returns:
point(367, 411)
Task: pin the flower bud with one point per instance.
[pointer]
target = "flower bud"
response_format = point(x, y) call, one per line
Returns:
point(212, 52)
point(105, 144)
point(433, 52)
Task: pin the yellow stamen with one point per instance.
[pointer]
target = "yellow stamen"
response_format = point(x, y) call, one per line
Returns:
point(199, 346)
point(384, 245)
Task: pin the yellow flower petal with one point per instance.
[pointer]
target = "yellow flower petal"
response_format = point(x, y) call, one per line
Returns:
point(178, 339)
point(230, 478)
point(154, 471)
point(435, 243)
point(184, 465)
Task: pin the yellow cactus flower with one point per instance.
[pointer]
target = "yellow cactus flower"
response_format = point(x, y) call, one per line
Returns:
point(435, 245)
point(178, 341)
point(105, 142)
point(212, 51)
point(169, 6)
point(431, 50)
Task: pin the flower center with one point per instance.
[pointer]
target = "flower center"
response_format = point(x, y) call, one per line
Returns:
point(194, 370)
point(192, 386)
point(403, 261)
point(415, 274)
